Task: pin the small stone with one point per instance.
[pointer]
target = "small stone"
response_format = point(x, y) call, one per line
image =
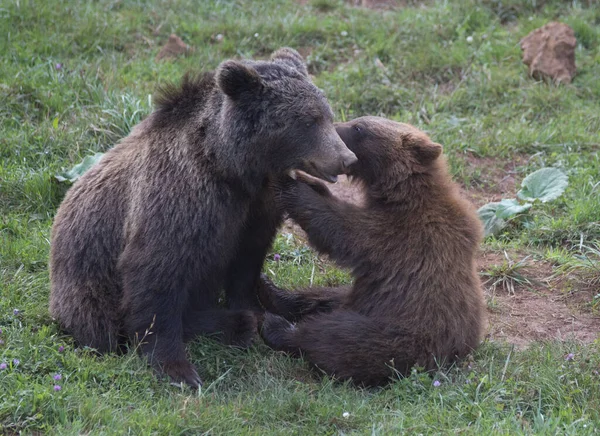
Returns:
point(469, 39)
point(376, 4)
point(345, 414)
point(173, 48)
point(550, 52)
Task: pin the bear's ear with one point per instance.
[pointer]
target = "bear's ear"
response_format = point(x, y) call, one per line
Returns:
point(426, 151)
point(292, 58)
point(235, 79)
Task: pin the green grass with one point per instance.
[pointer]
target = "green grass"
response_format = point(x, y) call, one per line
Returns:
point(413, 64)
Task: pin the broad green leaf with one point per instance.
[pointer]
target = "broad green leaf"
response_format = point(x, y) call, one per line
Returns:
point(545, 184)
point(492, 224)
point(55, 123)
point(510, 207)
point(78, 170)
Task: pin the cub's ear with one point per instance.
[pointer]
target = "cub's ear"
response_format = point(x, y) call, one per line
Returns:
point(235, 79)
point(426, 151)
point(290, 57)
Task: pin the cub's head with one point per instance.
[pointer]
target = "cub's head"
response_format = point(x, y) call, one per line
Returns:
point(388, 152)
point(274, 108)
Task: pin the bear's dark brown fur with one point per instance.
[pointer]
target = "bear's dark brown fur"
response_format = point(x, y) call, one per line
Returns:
point(416, 298)
point(182, 208)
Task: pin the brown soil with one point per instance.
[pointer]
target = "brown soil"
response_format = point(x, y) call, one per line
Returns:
point(541, 310)
point(492, 180)
point(544, 309)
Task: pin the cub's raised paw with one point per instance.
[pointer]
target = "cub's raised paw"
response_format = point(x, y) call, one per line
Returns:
point(314, 183)
point(182, 371)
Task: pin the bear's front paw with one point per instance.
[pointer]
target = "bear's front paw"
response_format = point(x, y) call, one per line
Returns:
point(182, 371)
point(243, 329)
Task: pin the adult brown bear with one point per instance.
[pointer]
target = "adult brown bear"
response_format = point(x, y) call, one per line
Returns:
point(416, 298)
point(182, 208)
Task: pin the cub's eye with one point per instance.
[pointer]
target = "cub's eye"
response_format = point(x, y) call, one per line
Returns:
point(310, 123)
point(358, 129)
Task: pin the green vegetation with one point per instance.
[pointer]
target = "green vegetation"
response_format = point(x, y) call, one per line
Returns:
point(545, 184)
point(76, 76)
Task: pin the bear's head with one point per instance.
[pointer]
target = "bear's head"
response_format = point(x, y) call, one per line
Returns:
point(388, 152)
point(275, 109)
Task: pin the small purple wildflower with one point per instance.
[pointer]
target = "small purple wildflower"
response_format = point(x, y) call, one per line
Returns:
point(61, 349)
point(569, 356)
point(58, 66)
point(1, 342)
point(3, 365)
point(57, 388)
point(16, 312)
point(16, 362)
point(436, 383)
point(277, 257)
point(57, 377)
point(0, 331)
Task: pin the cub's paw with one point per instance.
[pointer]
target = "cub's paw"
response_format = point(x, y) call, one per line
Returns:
point(242, 329)
point(268, 295)
point(315, 184)
point(277, 333)
point(182, 371)
point(283, 188)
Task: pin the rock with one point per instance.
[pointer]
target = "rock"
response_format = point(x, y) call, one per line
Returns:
point(173, 48)
point(376, 4)
point(550, 52)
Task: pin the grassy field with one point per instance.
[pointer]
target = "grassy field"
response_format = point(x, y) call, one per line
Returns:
point(76, 76)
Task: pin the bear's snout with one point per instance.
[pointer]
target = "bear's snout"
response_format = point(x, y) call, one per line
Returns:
point(348, 160)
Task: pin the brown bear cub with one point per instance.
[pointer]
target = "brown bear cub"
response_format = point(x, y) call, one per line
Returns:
point(416, 298)
point(182, 208)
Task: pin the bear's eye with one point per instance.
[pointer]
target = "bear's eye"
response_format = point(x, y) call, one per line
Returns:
point(310, 123)
point(358, 129)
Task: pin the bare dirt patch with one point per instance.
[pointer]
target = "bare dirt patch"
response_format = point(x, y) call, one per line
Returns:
point(541, 310)
point(492, 179)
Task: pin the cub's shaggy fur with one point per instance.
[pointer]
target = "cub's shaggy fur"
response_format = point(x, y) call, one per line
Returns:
point(416, 298)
